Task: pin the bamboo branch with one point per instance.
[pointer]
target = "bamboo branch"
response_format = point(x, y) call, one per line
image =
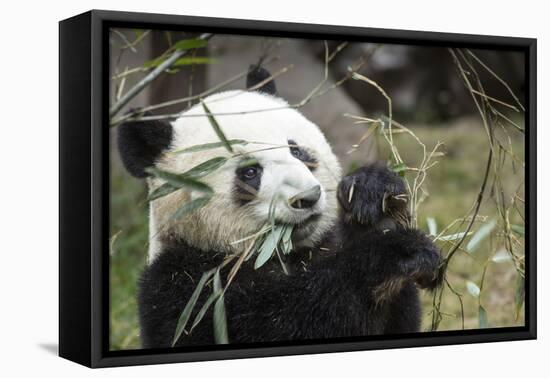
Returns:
point(136, 89)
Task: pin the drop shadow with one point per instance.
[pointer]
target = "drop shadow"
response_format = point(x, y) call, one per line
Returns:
point(51, 348)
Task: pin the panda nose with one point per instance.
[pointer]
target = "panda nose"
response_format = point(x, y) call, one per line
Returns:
point(306, 199)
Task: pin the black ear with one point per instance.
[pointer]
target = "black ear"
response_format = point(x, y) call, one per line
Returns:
point(140, 143)
point(257, 75)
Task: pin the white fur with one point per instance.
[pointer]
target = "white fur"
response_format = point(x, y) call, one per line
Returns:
point(223, 221)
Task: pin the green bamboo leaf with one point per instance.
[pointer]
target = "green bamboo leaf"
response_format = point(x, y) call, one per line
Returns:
point(483, 319)
point(400, 169)
point(205, 168)
point(519, 295)
point(473, 289)
point(217, 128)
point(161, 191)
point(518, 229)
point(155, 62)
point(187, 60)
point(258, 243)
point(180, 180)
point(196, 172)
point(184, 61)
point(268, 246)
point(190, 206)
point(432, 226)
point(220, 319)
point(209, 146)
point(187, 44)
point(186, 313)
point(203, 310)
point(286, 241)
point(458, 235)
point(483, 232)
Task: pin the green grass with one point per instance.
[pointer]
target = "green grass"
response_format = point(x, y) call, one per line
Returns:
point(452, 184)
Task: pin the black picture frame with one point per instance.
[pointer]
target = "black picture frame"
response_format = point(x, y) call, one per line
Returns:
point(84, 188)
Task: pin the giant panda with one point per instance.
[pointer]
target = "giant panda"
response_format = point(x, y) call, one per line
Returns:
point(355, 268)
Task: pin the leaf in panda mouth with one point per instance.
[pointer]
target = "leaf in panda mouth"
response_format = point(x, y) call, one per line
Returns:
point(269, 245)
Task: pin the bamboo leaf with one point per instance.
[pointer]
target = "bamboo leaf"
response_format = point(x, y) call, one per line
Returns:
point(203, 310)
point(518, 229)
point(483, 232)
point(186, 313)
point(286, 241)
point(501, 256)
point(400, 169)
point(217, 128)
point(187, 60)
point(199, 171)
point(205, 168)
point(220, 319)
point(432, 226)
point(268, 246)
point(211, 299)
point(161, 191)
point(187, 44)
point(190, 206)
point(209, 146)
point(458, 235)
point(473, 289)
point(519, 295)
point(180, 180)
point(483, 319)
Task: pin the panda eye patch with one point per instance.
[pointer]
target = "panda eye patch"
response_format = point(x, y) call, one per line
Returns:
point(249, 170)
point(248, 178)
point(302, 154)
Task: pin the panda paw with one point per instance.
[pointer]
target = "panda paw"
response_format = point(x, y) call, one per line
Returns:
point(424, 267)
point(373, 196)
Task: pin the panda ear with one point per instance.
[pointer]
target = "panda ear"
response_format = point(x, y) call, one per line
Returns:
point(258, 74)
point(140, 143)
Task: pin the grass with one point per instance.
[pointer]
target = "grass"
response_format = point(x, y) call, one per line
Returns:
point(452, 184)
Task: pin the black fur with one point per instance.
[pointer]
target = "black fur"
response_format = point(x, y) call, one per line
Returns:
point(360, 281)
point(140, 143)
point(256, 75)
point(302, 154)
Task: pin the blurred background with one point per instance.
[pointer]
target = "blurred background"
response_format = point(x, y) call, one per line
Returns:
point(428, 95)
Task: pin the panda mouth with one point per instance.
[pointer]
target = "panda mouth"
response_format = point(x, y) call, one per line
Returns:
point(307, 222)
point(303, 229)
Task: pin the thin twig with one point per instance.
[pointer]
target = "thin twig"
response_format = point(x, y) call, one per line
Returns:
point(136, 89)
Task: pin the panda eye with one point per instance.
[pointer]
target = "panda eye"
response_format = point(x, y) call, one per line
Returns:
point(297, 153)
point(250, 172)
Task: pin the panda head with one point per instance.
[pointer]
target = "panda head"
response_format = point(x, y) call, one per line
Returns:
point(285, 155)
